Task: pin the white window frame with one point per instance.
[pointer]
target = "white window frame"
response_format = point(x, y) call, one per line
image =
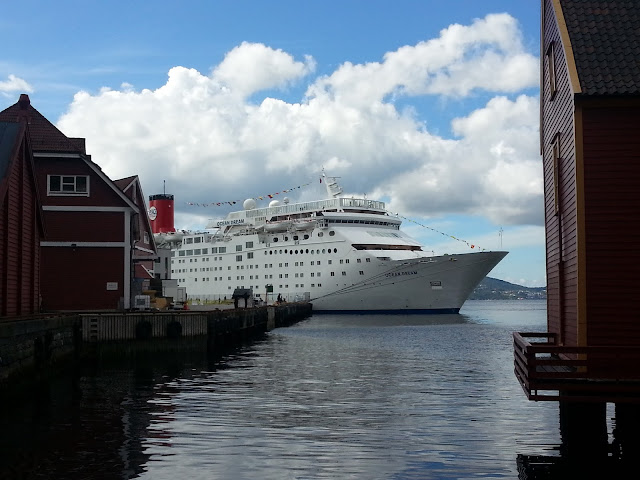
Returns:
point(67, 193)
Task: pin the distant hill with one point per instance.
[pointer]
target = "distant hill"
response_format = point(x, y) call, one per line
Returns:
point(494, 289)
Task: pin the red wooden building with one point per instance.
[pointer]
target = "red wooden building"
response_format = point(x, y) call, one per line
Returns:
point(590, 145)
point(589, 123)
point(21, 224)
point(94, 237)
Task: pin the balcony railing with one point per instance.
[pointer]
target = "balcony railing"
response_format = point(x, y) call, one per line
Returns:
point(547, 371)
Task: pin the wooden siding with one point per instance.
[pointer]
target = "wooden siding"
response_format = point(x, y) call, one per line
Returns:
point(100, 192)
point(89, 226)
point(13, 244)
point(3, 257)
point(76, 279)
point(612, 220)
point(27, 241)
point(20, 239)
point(561, 229)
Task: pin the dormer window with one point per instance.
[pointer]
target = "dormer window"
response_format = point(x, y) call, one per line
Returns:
point(71, 185)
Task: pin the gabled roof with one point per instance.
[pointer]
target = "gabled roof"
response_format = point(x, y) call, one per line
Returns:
point(124, 183)
point(45, 139)
point(141, 271)
point(12, 137)
point(131, 187)
point(44, 135)
point(605, 39)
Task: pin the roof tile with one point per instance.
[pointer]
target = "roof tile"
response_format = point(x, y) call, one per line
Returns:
point(44, 135)
point(605, 37)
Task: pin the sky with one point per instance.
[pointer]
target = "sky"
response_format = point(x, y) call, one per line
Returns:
point(429, 106)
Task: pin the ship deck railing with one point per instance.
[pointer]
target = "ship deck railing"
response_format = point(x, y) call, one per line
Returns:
point(548, 371)
point(374, 206)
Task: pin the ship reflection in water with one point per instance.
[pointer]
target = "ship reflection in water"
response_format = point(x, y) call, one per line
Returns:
point(373, 397)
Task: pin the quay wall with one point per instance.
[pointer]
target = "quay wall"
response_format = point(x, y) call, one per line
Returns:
point(30, 347)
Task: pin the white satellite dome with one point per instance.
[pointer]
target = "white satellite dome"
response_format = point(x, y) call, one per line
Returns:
point(249, 204)
point(274, 203)
point(286, 200)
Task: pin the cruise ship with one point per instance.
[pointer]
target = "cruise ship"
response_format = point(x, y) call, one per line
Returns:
point(344, 255)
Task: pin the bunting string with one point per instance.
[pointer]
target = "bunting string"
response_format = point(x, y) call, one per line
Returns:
point(469, 244)
point(267, 196)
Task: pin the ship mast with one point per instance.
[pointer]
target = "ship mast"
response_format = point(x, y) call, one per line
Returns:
point(333, 189)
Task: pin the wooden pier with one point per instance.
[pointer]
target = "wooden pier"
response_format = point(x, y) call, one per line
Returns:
point(30, 346)
point(548, 371)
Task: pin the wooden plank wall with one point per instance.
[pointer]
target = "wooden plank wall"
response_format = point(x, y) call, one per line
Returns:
point(19, 239)
point(612, 223)
point(4, 251)
point(561, 230)
point(76, 278)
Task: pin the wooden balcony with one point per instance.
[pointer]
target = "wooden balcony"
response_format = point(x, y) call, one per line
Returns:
point(551, 372)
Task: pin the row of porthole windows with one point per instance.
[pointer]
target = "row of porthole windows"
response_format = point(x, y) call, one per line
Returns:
point(305, 237)
point(291, 252)
point(281, 286)
point(206, 279)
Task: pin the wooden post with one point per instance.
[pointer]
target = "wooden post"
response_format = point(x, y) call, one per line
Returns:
point(583, 428)
point(626, 432)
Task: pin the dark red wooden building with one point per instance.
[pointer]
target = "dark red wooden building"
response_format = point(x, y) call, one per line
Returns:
point(590, 145)
point(21, 224)
point(93, 239)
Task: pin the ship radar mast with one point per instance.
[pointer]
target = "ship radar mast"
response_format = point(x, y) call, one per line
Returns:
point(333, 189)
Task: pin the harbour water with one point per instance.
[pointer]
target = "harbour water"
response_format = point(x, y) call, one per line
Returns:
point(332, 397)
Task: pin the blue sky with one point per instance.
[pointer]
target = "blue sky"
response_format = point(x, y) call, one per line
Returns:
point(431, 106)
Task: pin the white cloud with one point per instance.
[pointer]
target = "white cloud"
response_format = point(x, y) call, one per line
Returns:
point(252, 67)
point(15, 84)
point(487, 54)
point(202, 135)
point(493, 169)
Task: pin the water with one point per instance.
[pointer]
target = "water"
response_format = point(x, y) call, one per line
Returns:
point(348, 397)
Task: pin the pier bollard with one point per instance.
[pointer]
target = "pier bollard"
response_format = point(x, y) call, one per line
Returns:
point(174, 329)
point(271, 318)
point(144, 330)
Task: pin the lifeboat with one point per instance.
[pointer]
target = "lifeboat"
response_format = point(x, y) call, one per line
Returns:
point(168, 237)
point(159, 237)
point(304, 225)
point(279, 226)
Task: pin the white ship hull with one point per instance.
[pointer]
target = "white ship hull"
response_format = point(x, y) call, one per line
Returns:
point(437, 285)
point(343, 255)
